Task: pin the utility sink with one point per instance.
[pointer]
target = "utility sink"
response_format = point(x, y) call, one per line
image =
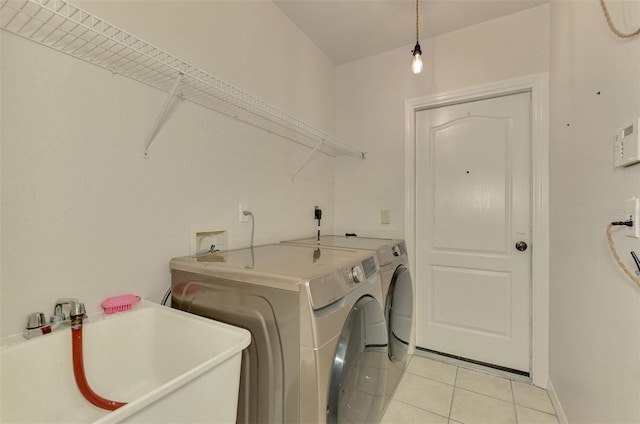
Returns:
point(170, 366)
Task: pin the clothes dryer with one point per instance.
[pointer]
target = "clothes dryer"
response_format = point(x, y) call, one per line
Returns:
point(319, 339)
point(397, 290)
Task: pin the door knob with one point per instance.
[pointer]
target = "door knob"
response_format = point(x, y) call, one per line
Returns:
point(521, 246)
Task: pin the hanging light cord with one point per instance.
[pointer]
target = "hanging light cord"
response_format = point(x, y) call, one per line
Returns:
point(417, 26)
point(613, 27)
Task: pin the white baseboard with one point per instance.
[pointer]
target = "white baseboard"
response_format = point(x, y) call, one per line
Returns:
point(562, 418)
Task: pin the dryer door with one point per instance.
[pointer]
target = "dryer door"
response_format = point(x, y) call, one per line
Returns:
point(399, 313)
point(356, 390)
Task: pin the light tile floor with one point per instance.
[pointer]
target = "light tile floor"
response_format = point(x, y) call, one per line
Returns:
point(435, 392)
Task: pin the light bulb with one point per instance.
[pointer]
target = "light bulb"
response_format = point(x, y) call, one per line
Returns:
point(416, 66)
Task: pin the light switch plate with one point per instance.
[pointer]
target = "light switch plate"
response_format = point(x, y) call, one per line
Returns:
point(385, 216)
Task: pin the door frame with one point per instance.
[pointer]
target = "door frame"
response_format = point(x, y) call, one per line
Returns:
point(538, 84)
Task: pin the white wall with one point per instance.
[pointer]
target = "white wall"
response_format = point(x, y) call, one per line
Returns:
point(84, 215)
point(594, 308)
point(250, 44)
point(370, 106)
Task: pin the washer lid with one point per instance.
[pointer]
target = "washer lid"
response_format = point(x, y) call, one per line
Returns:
point(386, 249)
point(275, 265)
point(369, 243)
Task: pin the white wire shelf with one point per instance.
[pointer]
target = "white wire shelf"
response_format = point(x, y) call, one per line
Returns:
point(69, 29)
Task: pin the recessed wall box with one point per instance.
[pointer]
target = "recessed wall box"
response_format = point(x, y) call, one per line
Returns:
point(627, 145)
point(202, 239)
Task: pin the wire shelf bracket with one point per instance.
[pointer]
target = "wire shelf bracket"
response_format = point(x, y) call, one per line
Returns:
point(163, 114)
point(69, 29)
point(304, 162)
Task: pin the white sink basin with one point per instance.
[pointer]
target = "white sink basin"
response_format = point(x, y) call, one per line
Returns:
point(168, 365)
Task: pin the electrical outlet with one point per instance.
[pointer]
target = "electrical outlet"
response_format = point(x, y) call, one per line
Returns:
point(241, 208)
point(633, 208)
point(385, 216)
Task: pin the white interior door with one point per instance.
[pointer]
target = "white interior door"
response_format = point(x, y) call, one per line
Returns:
point(472, 208)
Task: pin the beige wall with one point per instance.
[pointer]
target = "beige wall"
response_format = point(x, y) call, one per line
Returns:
point(370, 106)
point(84, 215)
point(594, 308)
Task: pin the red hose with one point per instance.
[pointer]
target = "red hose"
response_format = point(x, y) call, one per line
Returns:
point(81, 379)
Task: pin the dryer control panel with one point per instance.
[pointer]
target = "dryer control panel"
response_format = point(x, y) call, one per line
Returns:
point(389, 253)
point(330, 288)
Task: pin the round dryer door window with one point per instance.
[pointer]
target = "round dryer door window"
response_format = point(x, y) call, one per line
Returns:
point(399, 313)
point(356, 390)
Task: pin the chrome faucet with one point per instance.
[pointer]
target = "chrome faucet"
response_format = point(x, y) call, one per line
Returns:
point(36, 324)
point(75, 308)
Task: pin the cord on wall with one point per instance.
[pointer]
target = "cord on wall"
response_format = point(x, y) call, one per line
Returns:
point(612, 247)
point(253, 223)
point(166, 297)
point(317, 212)
point(612, 27)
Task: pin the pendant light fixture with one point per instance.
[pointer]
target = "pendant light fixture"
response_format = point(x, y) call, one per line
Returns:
point(416, 66)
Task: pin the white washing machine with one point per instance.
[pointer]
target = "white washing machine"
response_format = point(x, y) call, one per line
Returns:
point(319, 341)
point(397, 291)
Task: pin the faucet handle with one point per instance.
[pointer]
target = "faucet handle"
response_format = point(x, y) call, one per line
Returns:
point(36, 320)
point(77, 309)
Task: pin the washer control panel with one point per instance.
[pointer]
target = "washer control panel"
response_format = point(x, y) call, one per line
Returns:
point(390, 252)
point(369, 267)
point(357, 274)
point(330, 288)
